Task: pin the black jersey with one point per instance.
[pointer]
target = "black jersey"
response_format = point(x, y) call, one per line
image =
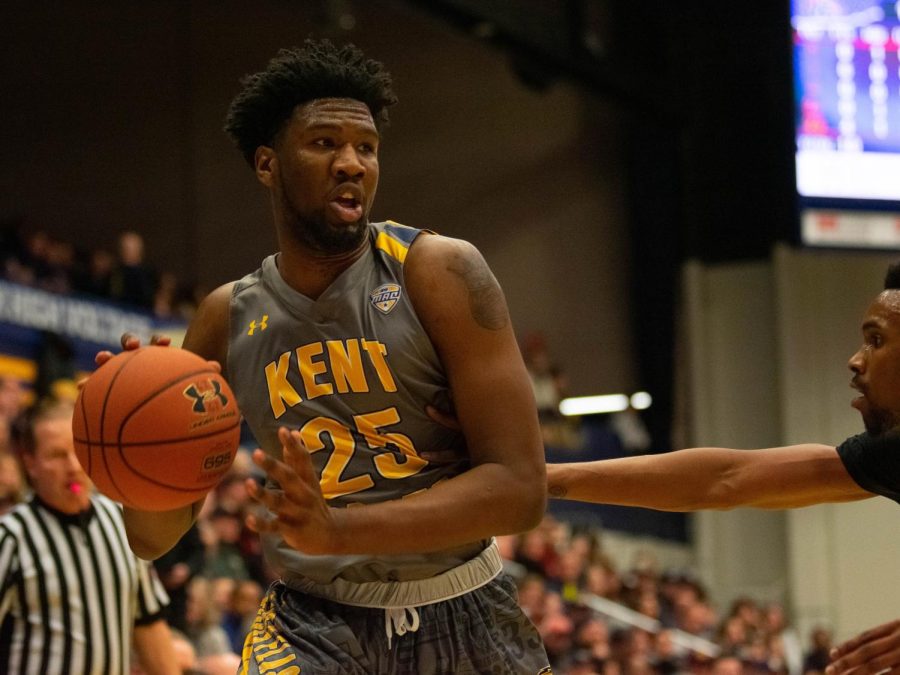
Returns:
point(874, 462)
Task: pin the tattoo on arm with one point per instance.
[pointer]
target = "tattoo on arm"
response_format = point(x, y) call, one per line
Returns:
point(557, 491)
point(486, 302)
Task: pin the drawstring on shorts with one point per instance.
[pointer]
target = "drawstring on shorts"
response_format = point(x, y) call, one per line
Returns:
point(396, 621)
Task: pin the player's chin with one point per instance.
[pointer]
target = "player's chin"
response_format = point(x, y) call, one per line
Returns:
point(343, 237)
point(347, 229)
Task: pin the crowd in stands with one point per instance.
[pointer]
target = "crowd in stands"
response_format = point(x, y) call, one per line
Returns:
point(31, 257)
point(216, 577)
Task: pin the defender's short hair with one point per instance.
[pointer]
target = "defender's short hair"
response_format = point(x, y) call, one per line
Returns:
point(892, 278)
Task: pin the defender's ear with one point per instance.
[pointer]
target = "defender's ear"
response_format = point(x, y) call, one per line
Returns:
point(266, 165)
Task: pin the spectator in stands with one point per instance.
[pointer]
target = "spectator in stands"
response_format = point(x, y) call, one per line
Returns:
point(548, 384)
point(176, 569)
point(647, 603)
point(817, 658)
point(667, 658)
point(547, 379)
point(568, 577)
point(60, 267)
point(35, 253)
point(601, 579)
point(202, 620)
point(241, 612)
point(219, 664)
point(780, 634)
point(97, 277)
point(532, 596)
point(593, 636)
point(557, 632)
point(534, 552)
point(12, 399)
point(221, 589)
point(12, 483)
point(165, 298)
point(727, 665)
point(133, 281)
point(733, 636)
point(221, 533)
point(55, 364)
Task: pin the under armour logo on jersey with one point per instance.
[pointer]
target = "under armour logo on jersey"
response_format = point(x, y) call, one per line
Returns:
point(385, 297)
point(262, 325)
point(201, 397)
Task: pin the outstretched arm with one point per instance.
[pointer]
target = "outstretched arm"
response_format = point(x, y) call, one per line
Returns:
point(711, 478)
point(464, 313)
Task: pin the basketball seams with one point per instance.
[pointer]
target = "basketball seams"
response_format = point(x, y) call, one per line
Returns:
point(87, 440)
point(163, 389)
point(109, 389)
point(164, 441)
point(199, 489)
point(137, 407)
point(122, 468)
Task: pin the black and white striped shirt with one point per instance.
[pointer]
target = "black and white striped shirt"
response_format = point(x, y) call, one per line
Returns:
point(71, 591)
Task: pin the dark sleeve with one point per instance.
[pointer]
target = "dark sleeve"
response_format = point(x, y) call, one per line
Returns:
point(152, 598)
point(874, 463)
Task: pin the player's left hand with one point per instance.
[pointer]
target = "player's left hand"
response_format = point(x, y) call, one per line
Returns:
point(297, 510)
point(874, 651)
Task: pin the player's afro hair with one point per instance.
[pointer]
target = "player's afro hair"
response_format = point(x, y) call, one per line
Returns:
point(892, 278)
point(295, 76)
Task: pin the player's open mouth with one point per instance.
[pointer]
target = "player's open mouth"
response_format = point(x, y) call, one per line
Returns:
point(347, 208)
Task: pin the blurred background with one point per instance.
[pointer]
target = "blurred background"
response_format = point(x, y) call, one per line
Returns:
point(661, 189)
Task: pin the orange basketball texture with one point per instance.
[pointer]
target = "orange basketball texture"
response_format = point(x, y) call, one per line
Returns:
point(156, 428)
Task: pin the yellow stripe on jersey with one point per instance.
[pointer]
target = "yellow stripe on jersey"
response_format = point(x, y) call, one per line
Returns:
point(396, 249)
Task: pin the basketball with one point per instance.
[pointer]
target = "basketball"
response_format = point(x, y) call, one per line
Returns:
point(156, 428)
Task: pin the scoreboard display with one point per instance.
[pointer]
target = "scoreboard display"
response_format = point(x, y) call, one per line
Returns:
point(847, 120)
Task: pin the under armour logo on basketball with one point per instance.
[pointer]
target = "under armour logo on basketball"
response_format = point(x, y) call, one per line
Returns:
point(201, 397)
point(262, 325)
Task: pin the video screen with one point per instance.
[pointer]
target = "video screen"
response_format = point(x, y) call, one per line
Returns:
point(847, 91)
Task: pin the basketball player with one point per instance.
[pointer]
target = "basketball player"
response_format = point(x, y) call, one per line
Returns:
point(73, 597)
point(333, 348)
point(801, 475)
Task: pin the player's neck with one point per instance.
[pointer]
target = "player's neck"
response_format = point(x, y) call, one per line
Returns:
point(309, 272)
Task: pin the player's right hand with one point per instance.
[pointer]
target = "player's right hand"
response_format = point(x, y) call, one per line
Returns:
point(131, 341)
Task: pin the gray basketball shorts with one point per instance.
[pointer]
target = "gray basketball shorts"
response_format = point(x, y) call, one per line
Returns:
point(481, 632)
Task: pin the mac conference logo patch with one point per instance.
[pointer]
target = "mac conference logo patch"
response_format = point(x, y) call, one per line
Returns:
point(385, 297)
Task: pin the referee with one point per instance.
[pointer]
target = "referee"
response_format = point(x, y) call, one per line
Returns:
point(73, 597)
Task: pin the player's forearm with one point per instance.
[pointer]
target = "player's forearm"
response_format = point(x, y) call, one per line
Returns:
point(688, 480)
point(488, 500)
point(151, 534)
point(711, 478)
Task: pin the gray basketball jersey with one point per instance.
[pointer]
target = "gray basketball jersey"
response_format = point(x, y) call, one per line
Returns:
point(352, 370)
